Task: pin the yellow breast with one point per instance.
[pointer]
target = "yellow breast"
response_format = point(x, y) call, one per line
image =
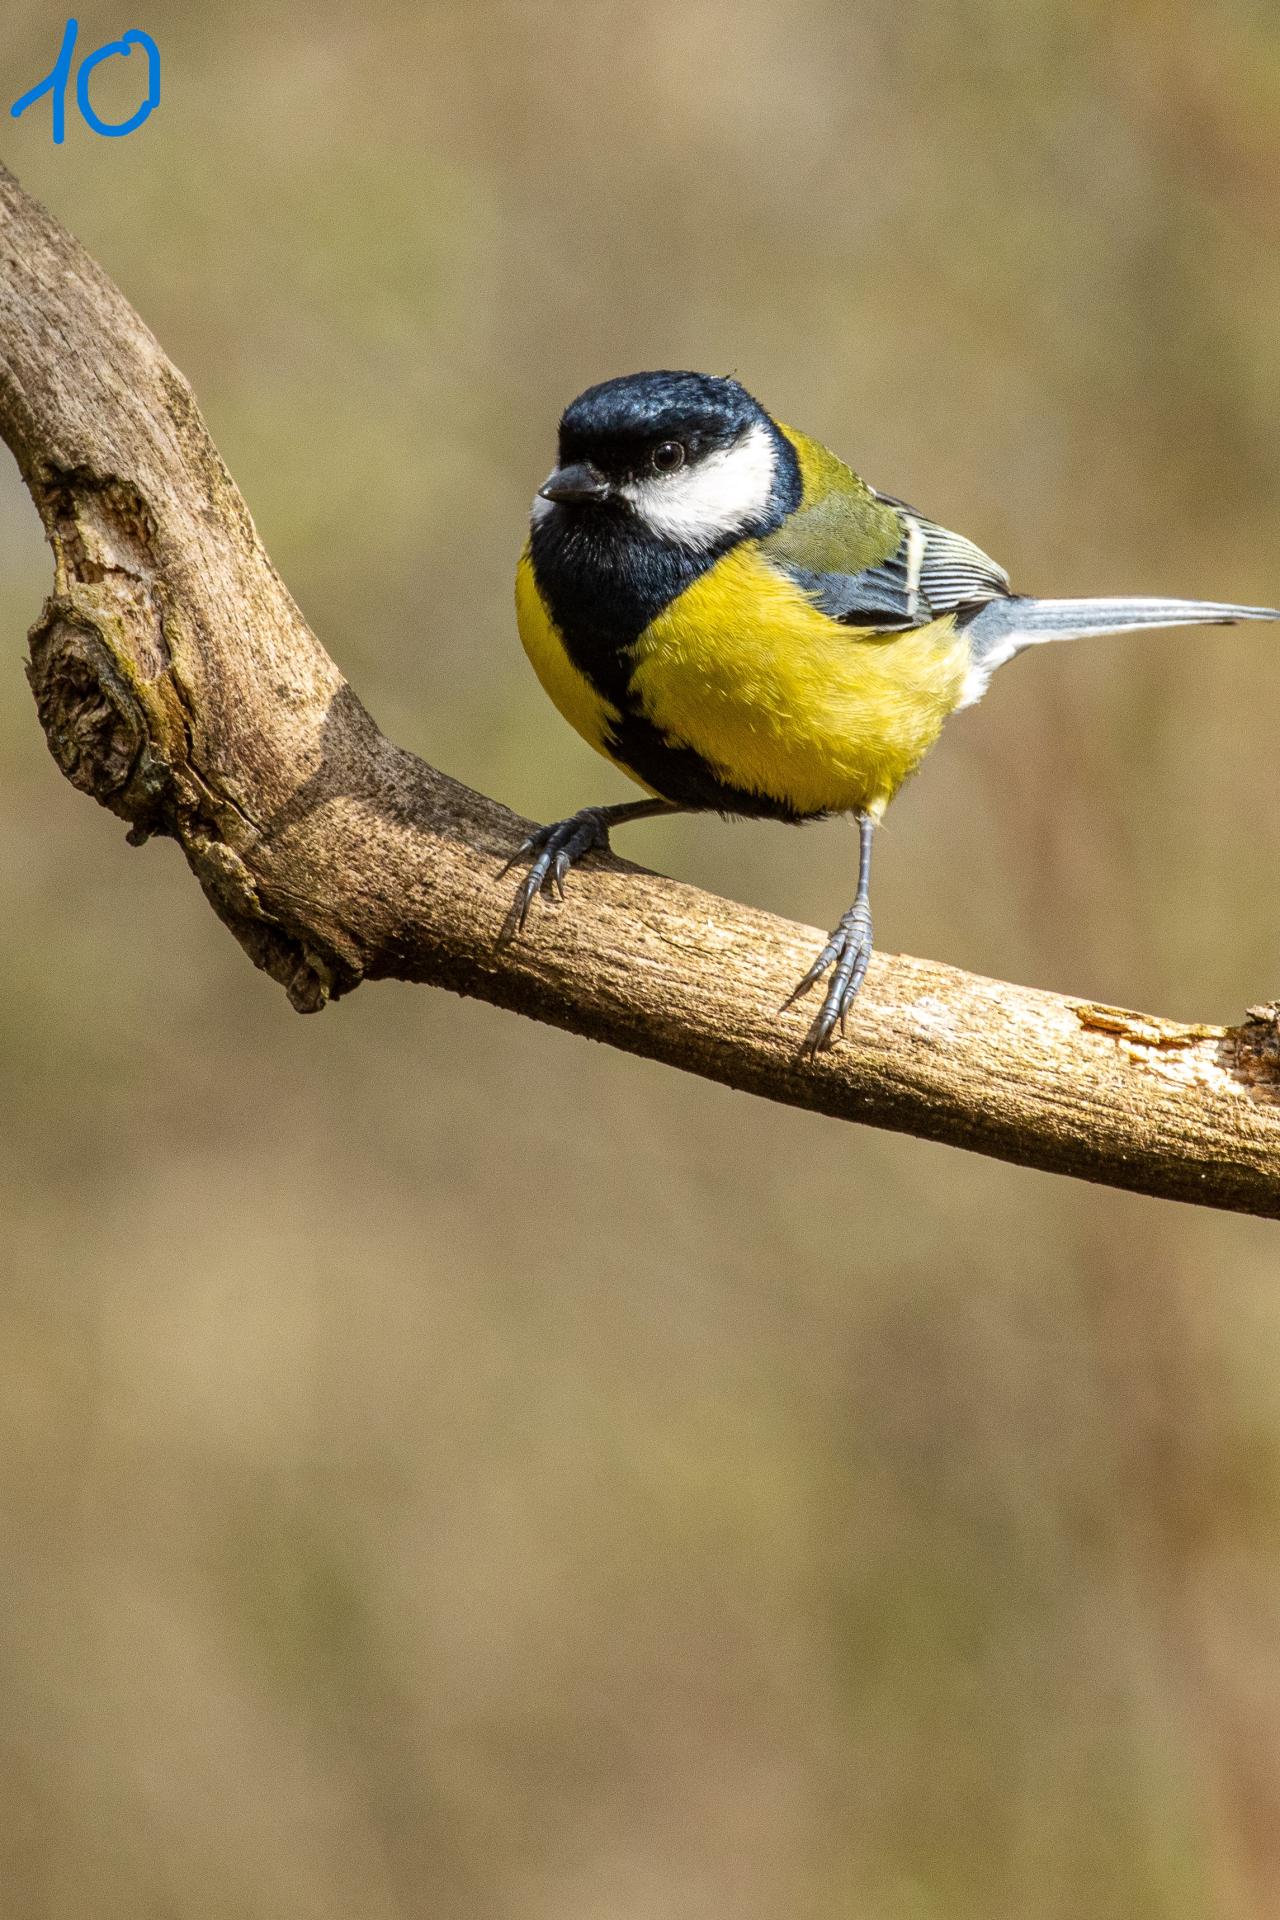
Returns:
point(783, 700)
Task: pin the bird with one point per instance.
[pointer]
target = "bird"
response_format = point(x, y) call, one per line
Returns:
point(726, 611)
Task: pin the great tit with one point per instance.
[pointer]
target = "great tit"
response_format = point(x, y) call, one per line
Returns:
point(729, 614)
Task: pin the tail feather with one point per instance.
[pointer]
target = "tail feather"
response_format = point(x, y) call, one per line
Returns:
point(1005, 627)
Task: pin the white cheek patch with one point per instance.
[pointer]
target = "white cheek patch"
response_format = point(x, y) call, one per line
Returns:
point(720, 494)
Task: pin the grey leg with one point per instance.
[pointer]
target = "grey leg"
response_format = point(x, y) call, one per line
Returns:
point(848, 951)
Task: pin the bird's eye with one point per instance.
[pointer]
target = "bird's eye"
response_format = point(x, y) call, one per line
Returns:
point(667, 457)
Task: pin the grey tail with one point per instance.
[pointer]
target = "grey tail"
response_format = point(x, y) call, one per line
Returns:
point(1004, 627)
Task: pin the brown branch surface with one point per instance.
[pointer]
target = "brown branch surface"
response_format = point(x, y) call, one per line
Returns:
point(178, 684)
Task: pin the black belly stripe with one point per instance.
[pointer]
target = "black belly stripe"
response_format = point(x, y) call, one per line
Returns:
point(679, 773)
point(603, 579)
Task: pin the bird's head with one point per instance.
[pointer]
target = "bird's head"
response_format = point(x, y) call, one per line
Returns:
point(690, 456)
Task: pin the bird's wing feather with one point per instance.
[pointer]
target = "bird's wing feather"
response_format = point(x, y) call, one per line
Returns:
point(870, 560)
point(954, 571)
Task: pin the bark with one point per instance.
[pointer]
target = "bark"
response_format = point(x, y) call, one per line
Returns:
point(178, 684)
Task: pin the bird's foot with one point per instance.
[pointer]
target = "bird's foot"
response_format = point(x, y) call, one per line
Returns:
point(555, 850)
point(849, 952)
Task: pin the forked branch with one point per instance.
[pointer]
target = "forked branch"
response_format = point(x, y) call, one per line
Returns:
point(178, 684)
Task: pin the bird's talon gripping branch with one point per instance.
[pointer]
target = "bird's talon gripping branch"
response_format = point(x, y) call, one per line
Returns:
point(849, 952)
point(560, 846)
point(556, 848)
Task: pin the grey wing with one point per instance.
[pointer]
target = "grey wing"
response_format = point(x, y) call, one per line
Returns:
point(933, 571)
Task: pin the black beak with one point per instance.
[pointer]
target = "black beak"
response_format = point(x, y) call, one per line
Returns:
point(579, 483)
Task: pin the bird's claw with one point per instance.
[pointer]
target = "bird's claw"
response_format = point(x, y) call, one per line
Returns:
point(848, 951)
point(526, 846)
point(555, 848)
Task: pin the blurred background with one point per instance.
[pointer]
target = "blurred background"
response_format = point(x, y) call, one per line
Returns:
point(450, 1468)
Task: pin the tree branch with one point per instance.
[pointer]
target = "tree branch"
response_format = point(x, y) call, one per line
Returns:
point(178, 684)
